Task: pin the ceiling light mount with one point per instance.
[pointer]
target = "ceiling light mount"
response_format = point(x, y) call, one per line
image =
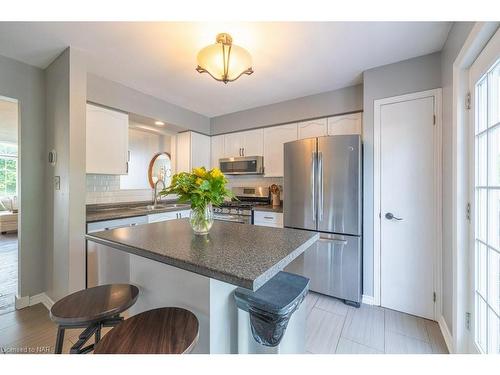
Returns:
point(224, 61)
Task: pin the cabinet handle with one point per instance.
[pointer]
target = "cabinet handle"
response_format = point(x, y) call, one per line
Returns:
point(243, 151)
point(268, 217)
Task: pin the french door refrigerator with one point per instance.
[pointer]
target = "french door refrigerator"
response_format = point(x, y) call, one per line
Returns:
point(322, 193)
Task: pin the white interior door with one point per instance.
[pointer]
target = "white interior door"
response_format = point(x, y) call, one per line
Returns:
point(407, 204)
point(485, 198)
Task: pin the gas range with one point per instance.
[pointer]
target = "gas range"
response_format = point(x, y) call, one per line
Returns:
point(240, 210)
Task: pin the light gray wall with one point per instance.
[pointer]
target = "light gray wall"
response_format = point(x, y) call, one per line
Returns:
point(349, 99)
point(26, 84)
point(417, 74)
point(65, 92)
point(116, 95)
point(456, 38)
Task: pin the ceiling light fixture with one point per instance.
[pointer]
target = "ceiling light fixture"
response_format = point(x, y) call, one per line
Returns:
point(159, 123)
point(224, 61)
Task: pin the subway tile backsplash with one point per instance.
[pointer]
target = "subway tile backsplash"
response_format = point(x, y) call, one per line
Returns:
point(103, 189)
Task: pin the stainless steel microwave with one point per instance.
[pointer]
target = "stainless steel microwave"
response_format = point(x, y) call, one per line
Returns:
point(242, 165)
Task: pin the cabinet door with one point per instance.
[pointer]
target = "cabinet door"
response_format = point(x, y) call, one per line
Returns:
point(313, 128)
point(274, 139)
point(164, 216)
point(183, 152)
point(233, 145)
point(253, 142)
point(106, 141)
point(217, 150)
point(345, 124)
point(200, 150)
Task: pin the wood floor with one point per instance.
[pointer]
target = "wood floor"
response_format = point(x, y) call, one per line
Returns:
point(332, 327)
point(8, 272)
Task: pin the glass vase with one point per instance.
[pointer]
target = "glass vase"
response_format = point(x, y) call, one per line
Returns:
point(201, 219)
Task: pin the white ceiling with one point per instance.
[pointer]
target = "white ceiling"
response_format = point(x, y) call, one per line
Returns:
point(8, 121)
point(290, 59)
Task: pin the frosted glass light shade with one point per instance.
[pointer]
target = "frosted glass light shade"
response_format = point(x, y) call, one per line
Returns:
point(223, 60)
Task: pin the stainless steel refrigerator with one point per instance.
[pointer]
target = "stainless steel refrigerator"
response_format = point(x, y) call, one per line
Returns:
point(322, 193)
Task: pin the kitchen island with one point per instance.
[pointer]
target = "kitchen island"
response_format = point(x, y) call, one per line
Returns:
point(173, 267)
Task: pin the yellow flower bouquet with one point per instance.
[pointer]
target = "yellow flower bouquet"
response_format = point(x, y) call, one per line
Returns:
point(202, 189)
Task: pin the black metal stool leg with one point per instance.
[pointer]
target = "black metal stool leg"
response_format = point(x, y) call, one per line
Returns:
point(59, 340)
point(98, 333)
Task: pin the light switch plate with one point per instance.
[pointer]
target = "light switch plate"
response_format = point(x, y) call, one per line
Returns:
point(57, 182)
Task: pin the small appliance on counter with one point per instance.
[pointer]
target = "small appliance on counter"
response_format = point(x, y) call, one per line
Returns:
point(240, 210)
point(275, 195)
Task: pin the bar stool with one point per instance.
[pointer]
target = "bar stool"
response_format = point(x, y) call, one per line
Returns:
point(91, 309)
point(167, 330)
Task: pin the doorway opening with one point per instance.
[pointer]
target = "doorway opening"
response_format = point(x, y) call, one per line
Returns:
point(9, 175)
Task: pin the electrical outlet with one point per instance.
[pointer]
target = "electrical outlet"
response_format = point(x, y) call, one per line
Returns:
point(57, 182)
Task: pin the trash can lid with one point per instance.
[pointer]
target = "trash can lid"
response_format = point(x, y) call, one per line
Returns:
point(277, 296)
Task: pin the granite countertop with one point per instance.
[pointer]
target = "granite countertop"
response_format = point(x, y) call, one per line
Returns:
point(242, 255)
point(124, 210)
point(269, 208)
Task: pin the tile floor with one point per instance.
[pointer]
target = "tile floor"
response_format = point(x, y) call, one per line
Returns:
point(333, 327)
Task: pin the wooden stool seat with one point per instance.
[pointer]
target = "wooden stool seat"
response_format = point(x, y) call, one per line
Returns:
point(168, 330)
point(91, 309)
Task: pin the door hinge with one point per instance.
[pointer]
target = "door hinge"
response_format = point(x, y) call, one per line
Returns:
point(467, 100)
point(467, 211)
point(467, 320)
point(434, 296)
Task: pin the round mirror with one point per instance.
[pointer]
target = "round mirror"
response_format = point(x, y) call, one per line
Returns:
point(160, 168)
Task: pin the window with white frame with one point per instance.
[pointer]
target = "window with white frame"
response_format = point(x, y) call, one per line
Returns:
point(487, 211)
point(8, 169)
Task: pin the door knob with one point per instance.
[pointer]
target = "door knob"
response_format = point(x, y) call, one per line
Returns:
point(390, 216)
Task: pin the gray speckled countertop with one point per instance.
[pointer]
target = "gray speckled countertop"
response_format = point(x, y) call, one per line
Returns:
point(124, 210)
point(239, 254)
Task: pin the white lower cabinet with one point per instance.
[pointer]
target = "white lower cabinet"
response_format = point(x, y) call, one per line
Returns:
point(268, 219)
point(171, 215)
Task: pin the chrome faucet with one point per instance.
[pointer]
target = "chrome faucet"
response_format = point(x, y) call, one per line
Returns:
point(155, 192)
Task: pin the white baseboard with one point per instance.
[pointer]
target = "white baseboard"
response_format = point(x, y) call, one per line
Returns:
point(43, 298)
point(21, 302)
point(368, 300)
point(448, 338)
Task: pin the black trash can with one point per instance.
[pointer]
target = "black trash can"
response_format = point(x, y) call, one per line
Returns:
point(271, 319)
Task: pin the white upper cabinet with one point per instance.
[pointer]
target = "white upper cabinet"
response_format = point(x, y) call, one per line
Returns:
point(200, 150)
point(274, 139)
point(313, 128)
point(217, 150)
point(106, 141)
point(253, 142)
point(233, 145)
point(248, 143)
point(345, 124)
point(192, 151)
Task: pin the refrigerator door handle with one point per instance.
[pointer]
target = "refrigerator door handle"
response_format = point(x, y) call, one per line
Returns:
point(320, 185)
point(313, 192)
point(334, 240)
